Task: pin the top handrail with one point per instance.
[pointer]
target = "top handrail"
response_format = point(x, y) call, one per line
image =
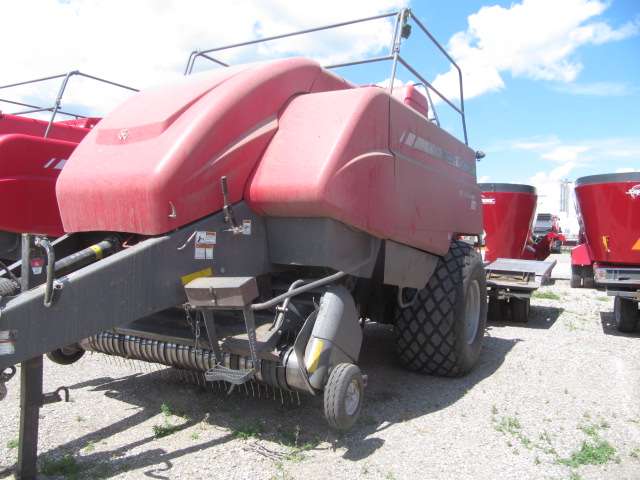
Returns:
point(401, 30)
point(55, 108)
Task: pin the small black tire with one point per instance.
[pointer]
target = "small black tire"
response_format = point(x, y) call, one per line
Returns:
point(576, 277)
point(625, 312)
point(442, 332)
point(65, 355)
point(343, 396)
point(497, 309)
point(520, 309)
point(587, 277)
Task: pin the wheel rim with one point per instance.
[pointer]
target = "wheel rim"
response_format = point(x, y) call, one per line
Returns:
point(473, 311)
point(352, 397)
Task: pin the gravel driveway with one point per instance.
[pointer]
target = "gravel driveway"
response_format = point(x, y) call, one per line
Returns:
point(557, 398)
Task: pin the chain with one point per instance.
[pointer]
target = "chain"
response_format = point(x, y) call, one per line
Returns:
point(195, 326)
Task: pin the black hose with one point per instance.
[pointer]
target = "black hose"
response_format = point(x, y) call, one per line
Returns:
point(86, 256)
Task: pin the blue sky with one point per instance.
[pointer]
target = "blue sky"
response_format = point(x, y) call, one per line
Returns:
point(551, 86)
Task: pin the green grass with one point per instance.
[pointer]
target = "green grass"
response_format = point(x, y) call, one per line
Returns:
point(160, 431)
point(247, 431)
point(595, 452)
point(66, 467)
point(547, 295)
point(13, 443)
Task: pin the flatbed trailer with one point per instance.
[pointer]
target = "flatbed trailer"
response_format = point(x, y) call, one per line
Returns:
point(511, 283)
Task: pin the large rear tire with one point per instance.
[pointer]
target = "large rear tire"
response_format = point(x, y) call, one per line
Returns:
point(343, 396)
point(441, 333)
point(625, 312)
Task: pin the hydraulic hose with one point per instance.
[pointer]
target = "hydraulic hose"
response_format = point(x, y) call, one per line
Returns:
point(86, 256)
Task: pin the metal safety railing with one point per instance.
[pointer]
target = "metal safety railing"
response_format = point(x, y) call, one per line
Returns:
point(404, 20)
point(55, 109)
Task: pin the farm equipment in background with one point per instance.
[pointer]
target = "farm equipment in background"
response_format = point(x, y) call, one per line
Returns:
point(516, 266)
point(547, 231)
point(608, 209)
point(244, 221)
point(32, 154)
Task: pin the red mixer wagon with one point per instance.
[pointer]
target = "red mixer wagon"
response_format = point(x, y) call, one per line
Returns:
point(609, 256)
point(516, 266)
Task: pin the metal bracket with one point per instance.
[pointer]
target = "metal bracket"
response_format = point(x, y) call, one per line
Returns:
point(229, 217)
point(55, 397)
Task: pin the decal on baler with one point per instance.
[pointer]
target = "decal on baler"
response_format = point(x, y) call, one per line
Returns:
point(57, 166)
point(6, 342)
point(207, 272)
point(204, 245)
point(425, 146)
point(636, 246)
point(36, 265)
point(246, 227)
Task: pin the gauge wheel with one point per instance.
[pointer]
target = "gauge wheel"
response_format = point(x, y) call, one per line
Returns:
point(343, 396)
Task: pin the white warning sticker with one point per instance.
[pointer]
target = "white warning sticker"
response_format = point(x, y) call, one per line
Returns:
point(204, 245)
point(246, 227)
point(6, 345)
point(36, 265)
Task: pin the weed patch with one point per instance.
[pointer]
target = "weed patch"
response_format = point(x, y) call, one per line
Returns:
point(67, 467)
point(595, 452)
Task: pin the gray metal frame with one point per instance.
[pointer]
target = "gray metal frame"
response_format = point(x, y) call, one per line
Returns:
point(55, 108)
point(401, 19)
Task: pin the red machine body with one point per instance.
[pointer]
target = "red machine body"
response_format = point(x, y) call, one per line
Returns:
point(508, 211)
point(609, 213)
point(293, 140)
point(29, 167)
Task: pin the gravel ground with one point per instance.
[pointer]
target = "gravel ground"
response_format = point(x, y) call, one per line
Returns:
point(546, 398)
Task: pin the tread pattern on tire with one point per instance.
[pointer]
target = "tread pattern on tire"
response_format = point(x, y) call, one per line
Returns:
point(425, 332)
point(333, 396)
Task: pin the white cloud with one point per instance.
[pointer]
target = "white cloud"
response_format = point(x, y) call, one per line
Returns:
point(554, 176)
point(146, 42)
point(534, 39)
point(565, 153)
point(627, 170)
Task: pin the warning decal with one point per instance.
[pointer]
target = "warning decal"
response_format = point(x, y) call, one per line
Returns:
point(636, 246)
point(246, 227)
point(36, 265)
point(6, 343)
point(204, 245)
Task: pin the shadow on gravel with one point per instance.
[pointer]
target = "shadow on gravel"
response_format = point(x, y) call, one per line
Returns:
point(609, 326)
point(540, 317)
point(394, 395)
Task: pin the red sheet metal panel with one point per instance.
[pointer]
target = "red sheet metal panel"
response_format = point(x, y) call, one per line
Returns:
point(167, 148)
point(29, 167)
point(330, 158)
point(609, 207)
point(508, 212)
point(366, 159)
point(435, 183)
